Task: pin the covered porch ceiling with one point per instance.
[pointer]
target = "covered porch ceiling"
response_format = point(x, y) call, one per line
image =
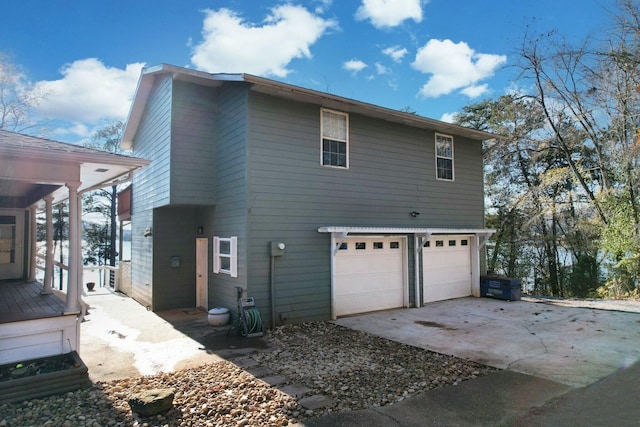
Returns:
point(32, 168)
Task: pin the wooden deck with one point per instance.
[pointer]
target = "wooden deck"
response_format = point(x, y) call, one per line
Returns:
point(22, 301)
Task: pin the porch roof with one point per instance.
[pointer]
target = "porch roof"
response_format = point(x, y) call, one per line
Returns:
point(405, 230)
point(32, 168)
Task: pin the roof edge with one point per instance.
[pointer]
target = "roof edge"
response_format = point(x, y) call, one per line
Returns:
point(148, 74)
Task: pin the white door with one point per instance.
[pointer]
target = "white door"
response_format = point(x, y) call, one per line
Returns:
point(370, 274)
point(446, 268)
point(11, 244)
point(202, 273)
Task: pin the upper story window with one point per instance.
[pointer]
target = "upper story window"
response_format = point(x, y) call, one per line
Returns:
point(335, 138)
point(444, 157)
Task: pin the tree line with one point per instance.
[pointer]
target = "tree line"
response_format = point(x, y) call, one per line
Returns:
point(562, 178)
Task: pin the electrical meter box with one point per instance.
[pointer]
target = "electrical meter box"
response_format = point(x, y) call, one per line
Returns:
point(277, 248)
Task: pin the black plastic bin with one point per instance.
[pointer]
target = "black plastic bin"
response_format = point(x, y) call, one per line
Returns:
point(500, 287)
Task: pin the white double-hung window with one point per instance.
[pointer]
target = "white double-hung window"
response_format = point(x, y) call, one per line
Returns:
point(335, 138)
point(225, 255)
point(444, 157)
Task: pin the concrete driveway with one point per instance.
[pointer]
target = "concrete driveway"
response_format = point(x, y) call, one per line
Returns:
point(569, 345)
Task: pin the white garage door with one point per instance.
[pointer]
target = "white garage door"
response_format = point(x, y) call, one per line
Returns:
point(370, 274)
point(446, 270)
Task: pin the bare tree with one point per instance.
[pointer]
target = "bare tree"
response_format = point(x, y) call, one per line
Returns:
point(18, 98)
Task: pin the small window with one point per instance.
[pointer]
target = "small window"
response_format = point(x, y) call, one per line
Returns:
point(225, 255)
point(344, 247)
point(427, 244)
point(378, 245)
point(464, 242)
point(361, 245)
point(444, 157)
point(439, 243)
point(452, 242)
point(394, 245)
point(335, 138)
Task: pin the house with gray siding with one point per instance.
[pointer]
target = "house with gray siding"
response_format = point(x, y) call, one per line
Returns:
point(314, 205)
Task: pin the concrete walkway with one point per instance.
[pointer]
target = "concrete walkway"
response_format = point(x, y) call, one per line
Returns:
point(121, 339)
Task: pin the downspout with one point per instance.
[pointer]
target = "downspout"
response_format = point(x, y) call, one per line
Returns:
point(416, 268)
point(273, 292)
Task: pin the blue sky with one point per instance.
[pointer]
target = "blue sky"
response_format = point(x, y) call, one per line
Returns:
point(432, 56)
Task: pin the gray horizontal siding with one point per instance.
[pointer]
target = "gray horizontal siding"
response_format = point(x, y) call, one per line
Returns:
point(391, 173)
point(193, 145)
point(230, 212)
point(150, 185)
point(174, 235)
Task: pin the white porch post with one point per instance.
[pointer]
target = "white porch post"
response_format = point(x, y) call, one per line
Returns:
point(33, 248)
point(48, 262)
point(475, 266)
point(75, 256)
point(333, 275)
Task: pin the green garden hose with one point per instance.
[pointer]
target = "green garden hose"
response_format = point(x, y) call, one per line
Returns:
point(253, 321)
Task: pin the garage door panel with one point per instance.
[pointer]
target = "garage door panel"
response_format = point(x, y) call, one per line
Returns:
point(375, 282)
point(446, 269)
point(364, 302)
point(362, 265)
point(446, 275)
point(369, 279)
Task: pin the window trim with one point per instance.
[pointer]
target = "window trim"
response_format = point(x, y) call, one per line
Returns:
point(232, 255)
point(346, 141)
point(452, 158)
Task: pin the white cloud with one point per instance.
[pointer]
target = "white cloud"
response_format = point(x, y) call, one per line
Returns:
point(381, 69)
point(89, 92)
point(475, 90)
point(232, 45)
point(389, 13)
point(454, 66)
point(395, 52)
point(354, 65)
point(448, 117)
point(323, 6)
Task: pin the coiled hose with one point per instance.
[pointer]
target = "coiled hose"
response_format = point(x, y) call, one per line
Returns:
point(253, 321)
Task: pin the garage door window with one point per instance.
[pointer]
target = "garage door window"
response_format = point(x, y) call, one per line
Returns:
point(361, 246)
point(464, 242)
point(394, 245)
point(439, 243)
point(452, 242)
point(378, 245)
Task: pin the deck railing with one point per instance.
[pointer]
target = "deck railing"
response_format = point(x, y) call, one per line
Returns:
point(102, 269)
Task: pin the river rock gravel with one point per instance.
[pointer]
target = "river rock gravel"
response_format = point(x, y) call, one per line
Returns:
point(350, 370)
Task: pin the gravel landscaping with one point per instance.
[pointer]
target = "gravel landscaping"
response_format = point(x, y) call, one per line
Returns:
point(346, 369)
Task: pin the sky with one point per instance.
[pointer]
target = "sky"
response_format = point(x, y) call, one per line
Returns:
point(431, 57)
